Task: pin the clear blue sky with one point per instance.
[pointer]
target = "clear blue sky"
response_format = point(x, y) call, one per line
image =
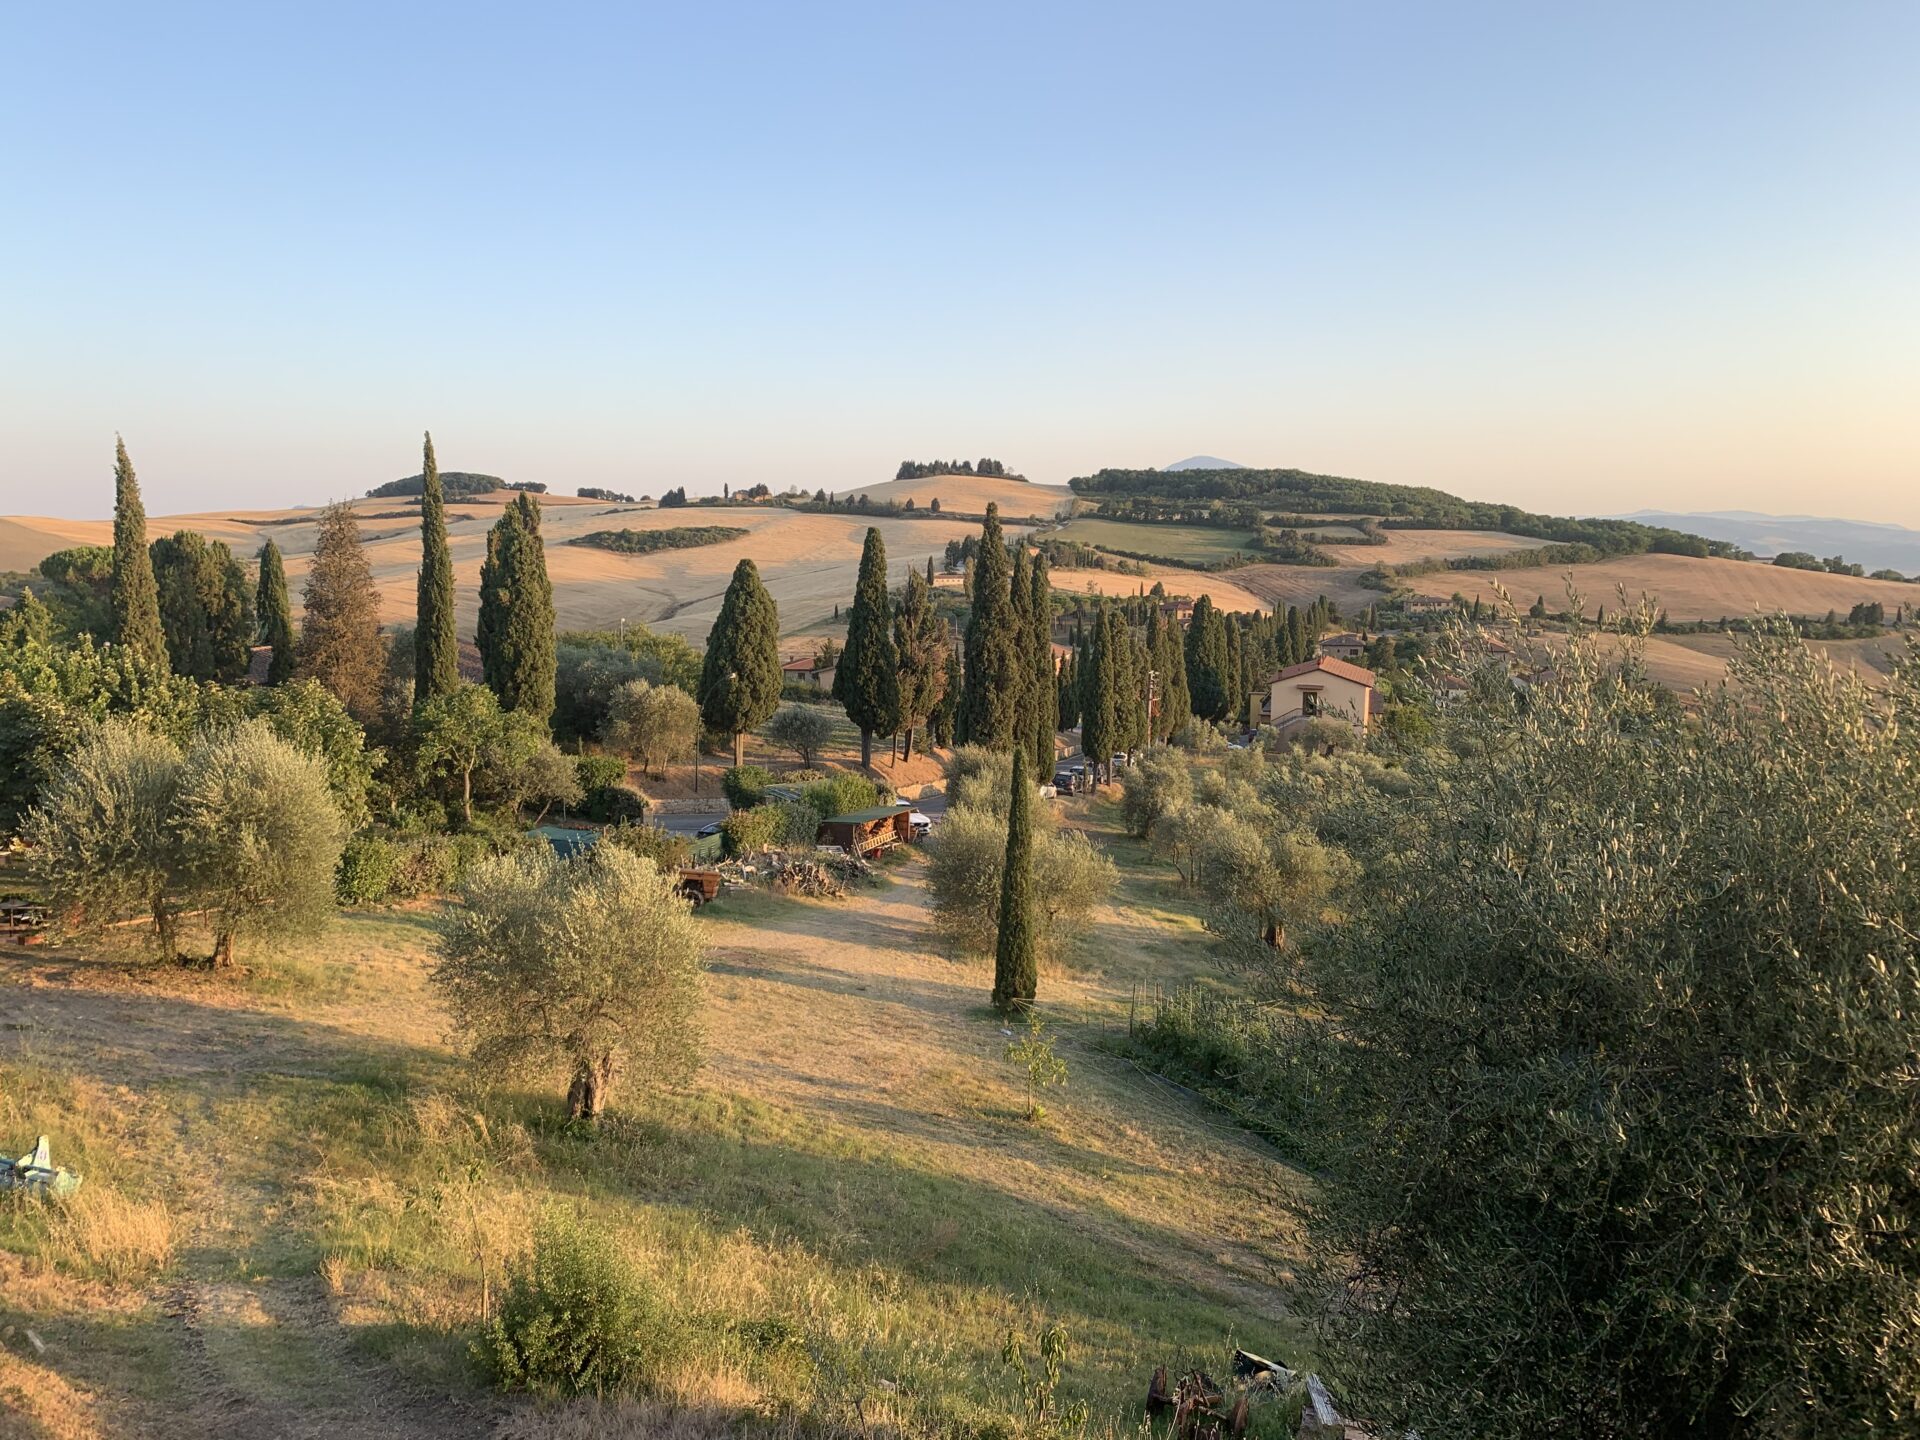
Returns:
point(1587, 259)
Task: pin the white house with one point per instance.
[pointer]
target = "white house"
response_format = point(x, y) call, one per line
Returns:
point(1322, 688)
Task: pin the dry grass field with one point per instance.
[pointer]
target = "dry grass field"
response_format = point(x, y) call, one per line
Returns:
point(1225, 587)
point(295, 1182)
point(1687, 589)
point(1406, 547)
point(971, 494)
point(807, 561)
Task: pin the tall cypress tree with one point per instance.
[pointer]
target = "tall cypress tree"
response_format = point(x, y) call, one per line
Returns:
point(740, 677)
point(990, 700)
point(947, 712)
point(1016, 951)
point(920, 642)
point(436, 646)
point(340, 641)
point(275, 614)
point(1096, 698)
point(867, 679)
point(135, 600)
point(1207, 662)
point(515, 633)
point(1043, 696)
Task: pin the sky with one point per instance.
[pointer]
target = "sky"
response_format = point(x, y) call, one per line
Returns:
point(1581, 258)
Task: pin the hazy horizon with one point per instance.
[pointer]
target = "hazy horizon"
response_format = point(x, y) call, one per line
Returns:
point(1643, 258)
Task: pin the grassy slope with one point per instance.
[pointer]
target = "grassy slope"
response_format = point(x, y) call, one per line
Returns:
point(852, 1168)
point(1195, 544)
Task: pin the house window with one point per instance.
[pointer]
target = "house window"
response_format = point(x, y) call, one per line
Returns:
point(1309, 702)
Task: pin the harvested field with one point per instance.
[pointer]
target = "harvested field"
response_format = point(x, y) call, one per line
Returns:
point(807, 561)
point(1406, 547)
point(1686, 588)
point(1227, 593)
point(970, 493)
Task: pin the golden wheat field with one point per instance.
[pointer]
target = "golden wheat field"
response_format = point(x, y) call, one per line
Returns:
point(807, 561)
point(1686, 588)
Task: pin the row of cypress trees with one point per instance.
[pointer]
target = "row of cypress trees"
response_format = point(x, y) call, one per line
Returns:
point(339, 639)
point(894, 672)
point(1008, 699)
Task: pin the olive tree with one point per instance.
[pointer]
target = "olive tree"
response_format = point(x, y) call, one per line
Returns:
point(259, 834)
point(803, 729)
point(652, 724)
point(1622, 1035)
point(589, 965)
point(965, 857)
point(102, 836)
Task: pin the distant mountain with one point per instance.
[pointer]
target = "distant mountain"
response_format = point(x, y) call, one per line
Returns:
point(1871, 543)
point(1203, 462)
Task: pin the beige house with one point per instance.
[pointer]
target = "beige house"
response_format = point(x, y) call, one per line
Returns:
point(806, 671)
point(1349, 647)
point(1322, 688)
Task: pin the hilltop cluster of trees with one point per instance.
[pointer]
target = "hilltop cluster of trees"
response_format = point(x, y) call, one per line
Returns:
point(456, 485)
point(1832, 565)
point(925, 469)
point(645, 542)
point(594, 492)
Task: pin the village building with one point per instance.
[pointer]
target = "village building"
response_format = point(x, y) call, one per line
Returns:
point(1426, 605)
point(1349, 646)
point(806, 670)
point(1322, 688)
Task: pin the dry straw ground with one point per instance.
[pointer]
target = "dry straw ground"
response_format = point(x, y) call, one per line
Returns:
point(297, 1180)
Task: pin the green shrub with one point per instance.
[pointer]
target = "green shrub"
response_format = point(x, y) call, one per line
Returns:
point(844, 794)
point(369, 866)
point(747, 831)
point(597, 772)
point(745, 786)
point(664, 848)
point(799, 823)
point(614, 805)
point(428, 867)
point(577, 1318)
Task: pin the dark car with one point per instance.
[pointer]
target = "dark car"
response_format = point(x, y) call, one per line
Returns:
point(706, 831)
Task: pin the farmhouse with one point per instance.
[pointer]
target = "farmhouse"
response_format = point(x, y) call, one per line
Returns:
point(862, 832)
point(1318, 689)
point(806, 670)
point(1348, 647)
point(1426, 605)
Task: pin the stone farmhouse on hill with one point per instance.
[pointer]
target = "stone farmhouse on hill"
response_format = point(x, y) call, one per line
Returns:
point(1322, 688)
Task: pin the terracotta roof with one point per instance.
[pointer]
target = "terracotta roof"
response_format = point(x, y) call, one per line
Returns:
point(805, 662)
point(1356, 673)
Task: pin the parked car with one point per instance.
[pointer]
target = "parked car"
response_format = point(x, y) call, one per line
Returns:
point(1065, 782)
point(1048, 792)
point(922, 824)
point(706, 832)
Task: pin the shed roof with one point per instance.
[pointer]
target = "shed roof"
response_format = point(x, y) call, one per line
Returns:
point(867, 817)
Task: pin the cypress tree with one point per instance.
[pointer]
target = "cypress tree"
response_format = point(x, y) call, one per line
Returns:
point(948, 710)
point(990, 700)
point(135, 600)
point(340, 641)
point(1042, 692)
point(515, 633)
point(1016, 960)
point(275, 614)
point(1237, 686)
point(867, 679)
point(1206, 659)
point(929, 572)
point(436, 647)
point(920, 641)
point(740, 677)
point(1096, 698)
